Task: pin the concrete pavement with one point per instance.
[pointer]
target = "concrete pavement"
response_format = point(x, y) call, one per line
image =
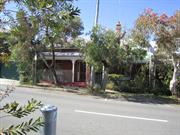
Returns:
point(91, 115)
point(8, 82)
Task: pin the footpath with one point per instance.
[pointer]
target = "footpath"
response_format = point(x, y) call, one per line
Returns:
point(8, 82)
point(42, 86)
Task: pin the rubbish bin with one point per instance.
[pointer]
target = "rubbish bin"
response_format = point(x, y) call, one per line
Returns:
point(50, 115)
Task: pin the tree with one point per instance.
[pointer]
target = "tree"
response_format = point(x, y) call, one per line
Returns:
point(43, 24)
point(23, 35)
point(99, 49)
point(14, 109)
point(51, 16)
point(72, 28)
point(165, 30)
point(106, 49)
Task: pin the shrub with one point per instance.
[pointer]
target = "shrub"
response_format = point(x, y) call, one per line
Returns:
point(140, 83)
point(162, 78)
point(161, 91)
point(117, 78)
point(23, 77)
point(118, 82)
point(178, 87)
point(110, 85)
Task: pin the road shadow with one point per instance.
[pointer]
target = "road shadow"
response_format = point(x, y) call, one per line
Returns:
point(139, 98)
point(150, 99)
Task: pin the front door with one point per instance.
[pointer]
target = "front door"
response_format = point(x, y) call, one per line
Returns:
point(80, 71)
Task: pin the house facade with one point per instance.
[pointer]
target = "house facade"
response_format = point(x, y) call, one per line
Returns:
point(70, 66)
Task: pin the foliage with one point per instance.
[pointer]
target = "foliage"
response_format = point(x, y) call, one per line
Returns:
point(24, 128)
point(105, 49)
point(110, 85)
point(141, 79)
point(111, 50)
point(96, 89)
point(40, 26)
point(5, 93)
point(140, 83)
point(118, 82)
point(15, 110)
point(114, 81)
point(80, 43)
point(134, 52)
point(19, 112)
point(60, 22)
point(22, 52)
point(163, 74)
point(162, 78)
point(102, 48)
point(52, 17)
point(4, 47)
point(165, 31)
point(116, 78)
point(71, 30)
point(161, 28)
point(178, 87)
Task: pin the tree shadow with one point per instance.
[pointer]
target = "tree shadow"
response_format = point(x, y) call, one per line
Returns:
point(138, 98)
point(150, 99)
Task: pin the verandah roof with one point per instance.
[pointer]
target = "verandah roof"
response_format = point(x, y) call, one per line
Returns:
point(64, 55)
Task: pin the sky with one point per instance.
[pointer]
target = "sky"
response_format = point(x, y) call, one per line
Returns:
point(125, 11)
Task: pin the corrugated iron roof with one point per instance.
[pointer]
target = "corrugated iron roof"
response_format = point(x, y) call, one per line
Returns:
point(63, 54)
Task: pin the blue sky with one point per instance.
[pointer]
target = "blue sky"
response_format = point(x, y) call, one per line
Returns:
point(126, 11)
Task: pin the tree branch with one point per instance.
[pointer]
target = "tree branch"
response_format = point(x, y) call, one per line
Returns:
point(24, 127)
point(19, 112)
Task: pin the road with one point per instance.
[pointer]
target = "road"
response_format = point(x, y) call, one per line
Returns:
point(91, 115)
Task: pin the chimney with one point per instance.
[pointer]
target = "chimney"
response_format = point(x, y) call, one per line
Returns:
point(118, 27)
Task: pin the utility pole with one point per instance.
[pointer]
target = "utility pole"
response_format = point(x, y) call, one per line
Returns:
point(92, 79)
point(97, 13)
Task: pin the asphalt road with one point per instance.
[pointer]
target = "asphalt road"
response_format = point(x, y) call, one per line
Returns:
point(91, 115)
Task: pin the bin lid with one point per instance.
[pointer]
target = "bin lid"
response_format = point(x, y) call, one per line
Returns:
point(47, 108)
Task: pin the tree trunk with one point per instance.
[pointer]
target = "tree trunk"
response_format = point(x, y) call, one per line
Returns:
point(51, 67)
point(154, 76)
point(130, 69)
point(174, 81)
point(104, 78)
point(53, 70)
point(92, 78)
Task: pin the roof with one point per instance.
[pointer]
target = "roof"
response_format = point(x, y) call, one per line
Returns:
point(63, 55)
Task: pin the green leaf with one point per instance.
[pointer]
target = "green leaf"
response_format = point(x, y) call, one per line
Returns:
point(16, 111)
point(24, 128)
